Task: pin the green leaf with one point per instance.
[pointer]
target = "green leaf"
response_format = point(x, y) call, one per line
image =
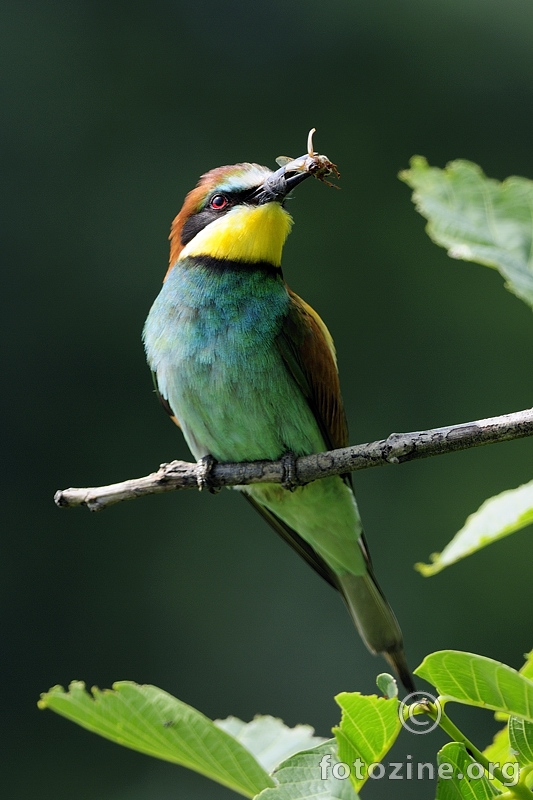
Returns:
point(387, 685)
point(521, 740)
point(497, 517)
point(500, 747)
point(477, 218)
point(302, 777)
point(460, 776)
point(499, 750)
point(148, 719)
point(527, 668)
point(368, 729)
point(478, 681)
point(268, 739)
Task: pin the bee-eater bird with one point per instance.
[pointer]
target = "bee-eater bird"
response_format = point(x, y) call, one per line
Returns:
point(248, 371)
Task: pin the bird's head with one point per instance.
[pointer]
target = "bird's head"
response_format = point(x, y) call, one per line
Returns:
point(236, 213)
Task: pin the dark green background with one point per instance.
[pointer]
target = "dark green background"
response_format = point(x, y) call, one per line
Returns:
point(110, 112)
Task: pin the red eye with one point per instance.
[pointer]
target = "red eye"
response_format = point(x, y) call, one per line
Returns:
point(218, 202)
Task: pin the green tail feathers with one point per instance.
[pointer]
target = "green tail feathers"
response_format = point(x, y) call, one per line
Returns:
point(375, 621)
point(372, 615)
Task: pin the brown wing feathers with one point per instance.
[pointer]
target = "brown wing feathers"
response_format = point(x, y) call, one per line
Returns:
point(309, 353)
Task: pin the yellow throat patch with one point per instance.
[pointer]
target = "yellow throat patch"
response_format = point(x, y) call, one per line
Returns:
point(246, 233)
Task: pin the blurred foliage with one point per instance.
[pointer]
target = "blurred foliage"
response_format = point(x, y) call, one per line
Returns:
point(482, 220)
point(477, 218)
point(237, 754)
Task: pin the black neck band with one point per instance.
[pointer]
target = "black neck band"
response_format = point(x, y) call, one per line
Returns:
point(226, 264)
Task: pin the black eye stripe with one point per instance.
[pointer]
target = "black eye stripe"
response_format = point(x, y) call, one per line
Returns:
point(233, 198)
point(198, 222)
point(207, 214)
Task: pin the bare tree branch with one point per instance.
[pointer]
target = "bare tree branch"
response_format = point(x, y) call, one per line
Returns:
point(395, 449)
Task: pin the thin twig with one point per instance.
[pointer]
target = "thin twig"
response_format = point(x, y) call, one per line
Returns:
point(395, 449)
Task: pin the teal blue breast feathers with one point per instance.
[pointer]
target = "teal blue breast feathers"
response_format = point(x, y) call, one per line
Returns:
point(210, 339)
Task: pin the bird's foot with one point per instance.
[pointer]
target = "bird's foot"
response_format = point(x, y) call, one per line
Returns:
point(290, 478)
point(204, 479)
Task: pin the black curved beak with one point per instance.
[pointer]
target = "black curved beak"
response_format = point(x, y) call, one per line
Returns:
point(278, 185)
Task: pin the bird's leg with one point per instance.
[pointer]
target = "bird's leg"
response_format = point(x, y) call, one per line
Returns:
point(204, 467)
point(290, 478)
